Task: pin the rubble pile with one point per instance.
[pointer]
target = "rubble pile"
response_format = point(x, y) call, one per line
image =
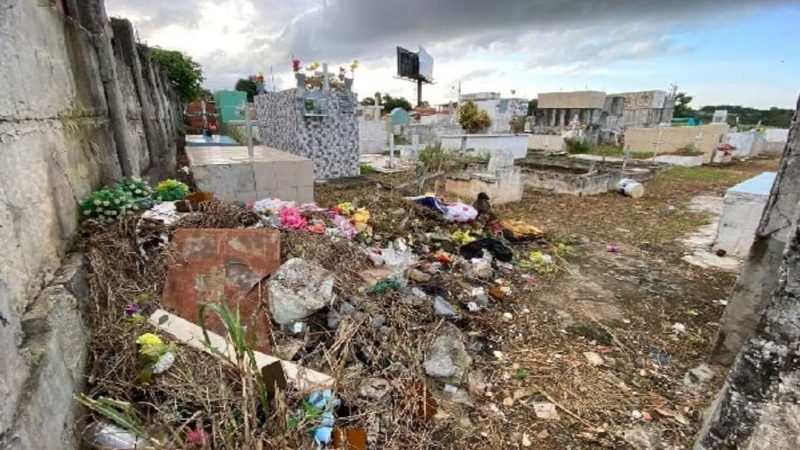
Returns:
point(395, 299)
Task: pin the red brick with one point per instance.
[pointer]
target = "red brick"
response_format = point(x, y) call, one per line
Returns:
point(223, 264)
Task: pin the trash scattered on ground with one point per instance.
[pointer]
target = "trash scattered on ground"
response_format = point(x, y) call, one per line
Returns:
point(546, 411)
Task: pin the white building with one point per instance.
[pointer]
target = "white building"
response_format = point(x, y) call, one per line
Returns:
point(501, 110)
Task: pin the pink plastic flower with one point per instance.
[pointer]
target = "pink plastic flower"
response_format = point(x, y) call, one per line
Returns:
point(292, 219)
point(613, 249)
point(198, 438)
point(296, 65)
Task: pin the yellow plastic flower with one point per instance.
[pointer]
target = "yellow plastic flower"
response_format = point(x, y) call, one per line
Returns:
point(360, 219)
point(462, 237)
point(149, 339)
point(346, 208)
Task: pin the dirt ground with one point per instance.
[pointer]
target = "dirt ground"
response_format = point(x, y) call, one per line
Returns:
point(621, 306)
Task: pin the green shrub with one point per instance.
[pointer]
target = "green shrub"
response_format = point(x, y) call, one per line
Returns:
point(367, 170)
point(106, 204)
point(139, 191)
point(171, 190)
point(576, 146)
point(434, 158)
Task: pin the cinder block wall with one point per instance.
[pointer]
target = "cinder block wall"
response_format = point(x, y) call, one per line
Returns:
point(68, 124)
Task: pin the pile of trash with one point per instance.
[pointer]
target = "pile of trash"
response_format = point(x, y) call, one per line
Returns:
point(395, 299)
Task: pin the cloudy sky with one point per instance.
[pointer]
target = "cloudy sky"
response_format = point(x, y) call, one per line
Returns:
point(725, 51)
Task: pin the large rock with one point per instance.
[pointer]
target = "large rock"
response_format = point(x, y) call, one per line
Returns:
point(298, 289)
point(448, 358)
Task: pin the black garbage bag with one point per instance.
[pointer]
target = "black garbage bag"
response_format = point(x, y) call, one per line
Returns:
point(496, 248)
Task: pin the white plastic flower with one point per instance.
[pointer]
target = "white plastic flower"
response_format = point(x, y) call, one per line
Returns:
point(87, 212)
point(138, 191)
point(106, 203)
point(97, 203)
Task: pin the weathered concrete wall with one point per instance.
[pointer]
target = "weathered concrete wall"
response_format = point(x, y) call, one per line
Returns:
point(758, 407)
point(748, 144)
point(516, 144)
point(546, 142)
point(673, 138)
point(61, 137)
point(759, 274)
point(373, 135)
point(572, 100)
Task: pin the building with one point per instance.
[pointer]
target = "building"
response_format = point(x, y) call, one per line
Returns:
point(597, 111)
point(500, 110)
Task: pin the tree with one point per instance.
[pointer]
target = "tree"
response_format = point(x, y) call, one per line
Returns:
point(532, 106)
point(185, 74)
point(682, 109)
point(473, 119)
point(248, 86)
point(387, 102)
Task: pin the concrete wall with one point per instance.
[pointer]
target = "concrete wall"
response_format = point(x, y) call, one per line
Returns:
point(373, 135)
point(68, 123)
point(517, 145)
point(546, 142)
point(572, 100)
point(331, 141)
point(776, 139)
point(673, 138)
point(748, 144)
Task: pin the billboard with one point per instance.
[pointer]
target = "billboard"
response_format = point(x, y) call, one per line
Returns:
point(415, 66)
point(425, 65)
point(407, 63)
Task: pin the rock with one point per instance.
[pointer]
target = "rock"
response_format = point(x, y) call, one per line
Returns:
point(544, 434)
point(482, 300)
point(697, 377)
point(594, 358)
point(678, 328)
point(374, 388)
point(481, 268)
point(397, 212)
point(448, 358)
point(508, 317)
point(643, 437)
point(336, 315)
point(419, 276)
point(462, 397)
point(298, 289)
point(526, 440)
point(376, 259)
point(374, 276)
point(443, 308)
point(546, 411)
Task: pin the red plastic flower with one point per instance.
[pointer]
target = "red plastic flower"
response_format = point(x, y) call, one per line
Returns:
point(296, 65)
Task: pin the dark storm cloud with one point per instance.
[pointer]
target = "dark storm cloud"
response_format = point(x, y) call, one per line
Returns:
point(548, 33)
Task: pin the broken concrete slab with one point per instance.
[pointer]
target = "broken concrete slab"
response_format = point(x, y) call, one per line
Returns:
point(223, 264)
point(192, 335)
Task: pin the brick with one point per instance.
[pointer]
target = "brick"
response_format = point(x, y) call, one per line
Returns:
point(223, 265)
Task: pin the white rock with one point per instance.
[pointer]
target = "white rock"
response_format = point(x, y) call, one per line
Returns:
point(594, 358)
point(298, 289)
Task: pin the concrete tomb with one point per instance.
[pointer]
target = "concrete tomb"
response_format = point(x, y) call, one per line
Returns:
point(741, 214)
point(231, 175)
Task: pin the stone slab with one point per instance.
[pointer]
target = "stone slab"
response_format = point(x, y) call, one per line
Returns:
point(192, 335)
point(217, 264)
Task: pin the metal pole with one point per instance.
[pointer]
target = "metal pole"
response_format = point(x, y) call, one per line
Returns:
point(419, 93)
